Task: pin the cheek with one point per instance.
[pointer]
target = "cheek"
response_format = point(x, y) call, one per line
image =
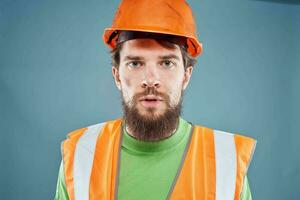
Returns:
point(174, 83)
point(131, 80)
point(175, 95)
point(175, 89)
point(125, 77)
point(127, 87)
point(127, 81)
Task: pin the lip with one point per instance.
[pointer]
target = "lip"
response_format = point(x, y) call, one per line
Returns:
point(151, 98)
point(150, 101)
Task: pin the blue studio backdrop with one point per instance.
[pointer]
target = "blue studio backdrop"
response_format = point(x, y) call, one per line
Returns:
point(55, 76)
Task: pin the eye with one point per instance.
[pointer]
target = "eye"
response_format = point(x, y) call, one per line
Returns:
point(134, 64)
point(167, 63)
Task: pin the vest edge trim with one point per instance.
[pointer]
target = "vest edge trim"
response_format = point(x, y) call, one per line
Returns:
point(181, 163)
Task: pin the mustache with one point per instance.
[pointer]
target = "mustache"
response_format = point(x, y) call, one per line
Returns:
point(153, 91)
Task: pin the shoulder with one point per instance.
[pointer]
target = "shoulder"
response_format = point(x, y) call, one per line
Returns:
point(91, 129)
point(221, 134)
point(89, 134)
point(86, 137)
point(228, 143)
point(244, 145)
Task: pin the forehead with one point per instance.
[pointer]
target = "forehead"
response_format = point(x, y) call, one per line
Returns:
point(147, 47)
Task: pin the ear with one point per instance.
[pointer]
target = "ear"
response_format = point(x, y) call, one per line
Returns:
point(116, 75)
point(187, 75)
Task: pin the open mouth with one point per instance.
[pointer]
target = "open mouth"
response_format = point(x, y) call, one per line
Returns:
point(150, 100)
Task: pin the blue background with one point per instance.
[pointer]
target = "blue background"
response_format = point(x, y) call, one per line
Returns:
point(55, 76)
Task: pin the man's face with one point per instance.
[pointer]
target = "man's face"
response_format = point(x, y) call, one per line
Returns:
point(151, 77)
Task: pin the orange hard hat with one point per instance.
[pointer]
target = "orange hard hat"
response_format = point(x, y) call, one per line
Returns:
point(172, 17)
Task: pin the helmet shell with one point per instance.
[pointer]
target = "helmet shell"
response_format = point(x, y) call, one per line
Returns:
point(172, 17)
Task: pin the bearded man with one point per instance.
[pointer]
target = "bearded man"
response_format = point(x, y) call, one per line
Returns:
point(152, 153)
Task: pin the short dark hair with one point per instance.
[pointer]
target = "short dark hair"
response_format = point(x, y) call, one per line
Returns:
point(188, 60)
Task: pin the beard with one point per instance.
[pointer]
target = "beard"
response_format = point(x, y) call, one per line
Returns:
point(151, 127)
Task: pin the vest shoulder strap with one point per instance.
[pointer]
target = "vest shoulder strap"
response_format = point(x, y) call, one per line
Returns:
point(233, 156)
point(79, 151)
point(217, 162)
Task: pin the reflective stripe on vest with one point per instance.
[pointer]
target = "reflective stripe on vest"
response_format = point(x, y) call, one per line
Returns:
point(212, 168)
point(226, 166)
point(83, 161)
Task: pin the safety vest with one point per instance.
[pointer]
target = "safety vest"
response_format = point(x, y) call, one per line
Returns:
point(213, 166)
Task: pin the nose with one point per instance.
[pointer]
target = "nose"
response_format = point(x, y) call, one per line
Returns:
point(155, 84)
point(151, 77)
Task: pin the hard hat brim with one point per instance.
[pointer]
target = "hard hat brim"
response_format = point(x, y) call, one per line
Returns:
point(194, 46)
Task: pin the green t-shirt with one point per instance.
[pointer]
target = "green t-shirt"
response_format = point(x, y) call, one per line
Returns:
point(147, 169)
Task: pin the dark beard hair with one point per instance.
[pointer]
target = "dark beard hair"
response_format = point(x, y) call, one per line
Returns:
point(151, 128)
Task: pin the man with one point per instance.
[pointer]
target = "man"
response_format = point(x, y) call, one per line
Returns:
point(153, 153)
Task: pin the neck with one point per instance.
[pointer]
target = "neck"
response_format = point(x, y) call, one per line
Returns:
point(154, 139)
point(152, 135)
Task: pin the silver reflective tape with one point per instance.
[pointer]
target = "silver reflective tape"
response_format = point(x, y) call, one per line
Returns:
point(83, 161)
point(226, 165)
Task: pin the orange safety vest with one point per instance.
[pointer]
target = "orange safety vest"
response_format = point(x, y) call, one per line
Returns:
point(213, 166)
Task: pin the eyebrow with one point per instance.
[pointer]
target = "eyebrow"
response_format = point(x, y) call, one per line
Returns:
point(133, 58)
point(171, 56)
